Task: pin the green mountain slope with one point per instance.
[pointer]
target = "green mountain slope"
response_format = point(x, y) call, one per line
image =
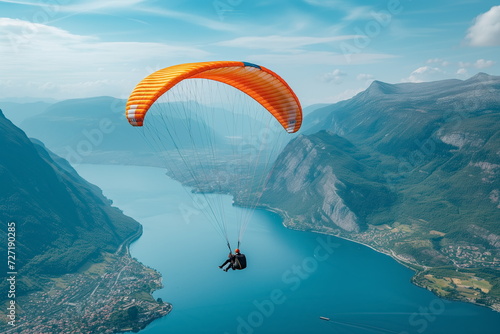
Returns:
point(411, 169)
point(436, 145)
point(61, 220)
point(324, 180)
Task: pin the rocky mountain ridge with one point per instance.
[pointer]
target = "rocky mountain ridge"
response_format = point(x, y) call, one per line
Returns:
point(410, 169)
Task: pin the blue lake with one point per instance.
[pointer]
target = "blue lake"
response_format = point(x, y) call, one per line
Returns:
point(293, 277)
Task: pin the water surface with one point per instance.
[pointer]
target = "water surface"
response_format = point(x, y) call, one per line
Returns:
point(293, 277)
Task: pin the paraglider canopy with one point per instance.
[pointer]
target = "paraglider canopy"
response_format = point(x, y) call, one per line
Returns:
point(260, 83)
point(218, 126)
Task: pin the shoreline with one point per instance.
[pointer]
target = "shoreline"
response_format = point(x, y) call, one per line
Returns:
point(166, 307)
point(96, 299)
point(286, 219)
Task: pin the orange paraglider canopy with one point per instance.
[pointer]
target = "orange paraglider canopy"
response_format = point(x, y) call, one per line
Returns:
point(260, 83)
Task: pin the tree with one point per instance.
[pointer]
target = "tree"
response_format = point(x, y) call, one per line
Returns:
point(133, 312)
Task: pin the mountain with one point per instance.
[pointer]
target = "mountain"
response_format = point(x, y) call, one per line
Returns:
point(27, 99)
point(86, 130)
point(17, 112)
point(61, 220)
point(324, 180)
point(438, 138)
point(396, 118)
point(95, 130)
point(309, 109)
point(412, 169)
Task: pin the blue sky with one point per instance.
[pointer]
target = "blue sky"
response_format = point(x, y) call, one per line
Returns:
point(328, 50)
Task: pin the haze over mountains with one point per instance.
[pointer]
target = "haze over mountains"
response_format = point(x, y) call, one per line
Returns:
point(95, 129)
point(19, 111)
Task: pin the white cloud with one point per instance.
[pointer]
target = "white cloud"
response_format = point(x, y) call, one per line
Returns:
point(486, 29)
point(425, 69)
point(480, 63)
point(189, 18)
point(364, 77)
point(51, 11)
point(281, 43)
point(293, 50)
point(33, 53)
point(19, 32)
point(424, 73)
point(359, 13)
point(27, 3)
point(78, 6)
point(97, 5)
point(464, 64)
point(352, 13)
point(438, 61)
point(319, 58)
point(336, 76)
